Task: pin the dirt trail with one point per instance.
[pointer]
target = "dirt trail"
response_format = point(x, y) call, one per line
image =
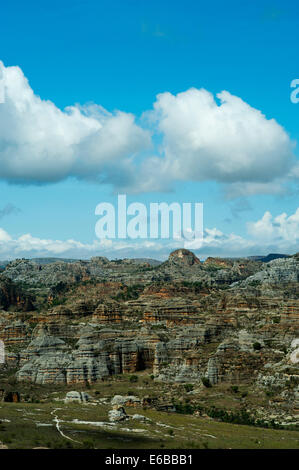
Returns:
point(57, 421)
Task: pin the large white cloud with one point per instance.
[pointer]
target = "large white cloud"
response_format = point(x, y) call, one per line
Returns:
point(40, 143)
point(269, 234)
point(229, 142)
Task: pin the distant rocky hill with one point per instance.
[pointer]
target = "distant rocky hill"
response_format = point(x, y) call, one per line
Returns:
point(269, 257)
point(150, 261)
point(231, 321)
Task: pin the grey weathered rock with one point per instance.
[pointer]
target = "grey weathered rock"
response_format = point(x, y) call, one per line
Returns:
point(48, 359)
point(141, 418)
point(77, 397)
point(117, 414)
point(294, 356)
point(122, 400)
point(212, 372)
point(278, 271)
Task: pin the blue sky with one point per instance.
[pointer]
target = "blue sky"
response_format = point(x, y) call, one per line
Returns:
point(121, 55)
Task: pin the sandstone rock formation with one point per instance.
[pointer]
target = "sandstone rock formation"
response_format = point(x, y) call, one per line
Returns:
point(222, 321)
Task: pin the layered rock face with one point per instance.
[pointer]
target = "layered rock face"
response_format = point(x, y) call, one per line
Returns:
point(109, 312)
point(13, 331)
point(222, 321)
point(97, 354)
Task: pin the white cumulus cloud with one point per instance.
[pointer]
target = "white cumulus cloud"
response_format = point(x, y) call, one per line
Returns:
point(40, 143)
point(282, 229)
point(229, 142)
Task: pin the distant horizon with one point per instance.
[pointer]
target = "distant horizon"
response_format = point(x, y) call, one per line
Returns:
point(145, 258)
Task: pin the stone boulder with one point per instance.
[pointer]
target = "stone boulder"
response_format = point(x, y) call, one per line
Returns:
point(77, 397)
point(128, 400)
point(117, 414)
point(141, 418)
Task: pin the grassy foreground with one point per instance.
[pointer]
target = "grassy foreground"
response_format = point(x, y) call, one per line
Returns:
point(29, 425)
point(42, 419)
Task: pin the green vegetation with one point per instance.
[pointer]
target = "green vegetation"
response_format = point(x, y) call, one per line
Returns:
point(195, 287)
point(133, 378)
point(254, 283)
point(212, 267)
point(144, 269)
point(58, 301)
point(206, 382)
point(241, 417)
point(129, 292)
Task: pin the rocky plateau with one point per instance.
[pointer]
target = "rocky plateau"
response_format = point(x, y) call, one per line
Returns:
point(200, 324)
